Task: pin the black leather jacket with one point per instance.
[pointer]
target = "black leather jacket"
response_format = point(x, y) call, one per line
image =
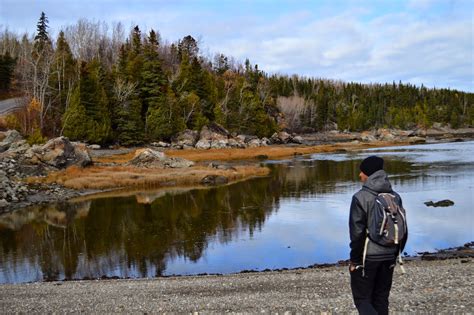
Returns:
point(361, 201)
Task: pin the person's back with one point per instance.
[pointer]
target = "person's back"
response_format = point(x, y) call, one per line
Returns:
point(372, 265)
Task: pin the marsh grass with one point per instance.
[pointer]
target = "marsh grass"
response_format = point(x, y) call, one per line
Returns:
point(272, 152)
point(110, 177)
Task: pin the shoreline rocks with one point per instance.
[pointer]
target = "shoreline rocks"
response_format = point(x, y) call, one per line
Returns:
point(20, 160)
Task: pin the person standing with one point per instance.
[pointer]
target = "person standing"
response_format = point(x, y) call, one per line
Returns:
point(378, 234)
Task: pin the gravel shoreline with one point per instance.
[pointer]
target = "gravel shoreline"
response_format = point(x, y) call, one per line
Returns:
point(427, 287)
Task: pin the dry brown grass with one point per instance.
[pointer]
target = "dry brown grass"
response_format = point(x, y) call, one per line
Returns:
point(119, 176)
point(110, 177)
point(272, 152)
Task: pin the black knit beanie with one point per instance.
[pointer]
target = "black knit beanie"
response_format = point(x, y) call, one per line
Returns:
point(371, 165)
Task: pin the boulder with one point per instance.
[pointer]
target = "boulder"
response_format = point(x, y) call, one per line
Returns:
point(367, 136)
point(9, 137)
point(219, 144)
point(216, 128)
point(281, 137)
point(153, 158)
point(254, 143)
point(213, 180)
point(187, 138)
point(60, 153)
point(19, 147)
point(265, 141)
point(146, 156)
point(386, 134)
point(177, 163)
point(416, 140)
point(241, 138)
point(298, 140)
point(236, 143)
point(203, 144)
point(212, 135)
point(284, 136)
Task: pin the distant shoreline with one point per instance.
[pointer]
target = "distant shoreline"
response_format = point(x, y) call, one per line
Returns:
point(110, 172)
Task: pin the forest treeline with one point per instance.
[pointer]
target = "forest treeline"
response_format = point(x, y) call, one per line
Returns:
point(96, 83)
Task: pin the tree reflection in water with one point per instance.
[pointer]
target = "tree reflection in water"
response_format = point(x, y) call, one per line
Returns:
point(138, 235)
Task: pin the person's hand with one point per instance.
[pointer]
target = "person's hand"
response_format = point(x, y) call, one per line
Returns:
point(352, 267)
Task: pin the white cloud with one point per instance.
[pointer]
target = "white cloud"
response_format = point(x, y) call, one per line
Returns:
point(422, 41)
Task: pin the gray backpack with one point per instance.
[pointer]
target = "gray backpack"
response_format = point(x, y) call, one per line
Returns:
point(387, 224)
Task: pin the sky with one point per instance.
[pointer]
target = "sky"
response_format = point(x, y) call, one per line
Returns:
point(427, 42)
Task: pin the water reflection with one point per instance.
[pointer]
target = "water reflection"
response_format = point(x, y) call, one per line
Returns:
point(295, 217)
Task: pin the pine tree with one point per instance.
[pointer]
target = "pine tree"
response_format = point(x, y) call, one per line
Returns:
point(75, 121)
point(7, 66)
point(42, 37)
point(153, 80)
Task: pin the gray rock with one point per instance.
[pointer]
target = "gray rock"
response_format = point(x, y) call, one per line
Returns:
point(209, 134)
point(94, 147)
point(146, 157)
point(254, 143)
point(219, 144)
point(281, 137)
point(441, 203)
point(213, 180)
point(186, 138)
point(236, 143)
point(298, 140)
point(153, 158)
point(9, 137)
point(265, 141)
point(415, 140)
point(241, 138)
point(3, 203)
point(60, 153)
point(203, 144)
point(177, 163)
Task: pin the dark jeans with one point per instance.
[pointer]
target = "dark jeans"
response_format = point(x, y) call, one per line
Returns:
point(370, 292)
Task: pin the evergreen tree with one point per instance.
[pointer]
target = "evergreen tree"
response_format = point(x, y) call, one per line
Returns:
point(75, 121)
point(42, 39)
point(153, 79)
point(7, 66)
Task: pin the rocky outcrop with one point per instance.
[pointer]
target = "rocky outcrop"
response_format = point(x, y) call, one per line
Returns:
point(10, 189)
point(157, 159)
point(8, 138)
point(214, 180)
point(57, 153)
point(441, 203)
point(285, 138)
point(185, 140)
point(60, 153)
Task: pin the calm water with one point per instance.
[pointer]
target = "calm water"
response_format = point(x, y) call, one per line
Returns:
point(296, 217)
